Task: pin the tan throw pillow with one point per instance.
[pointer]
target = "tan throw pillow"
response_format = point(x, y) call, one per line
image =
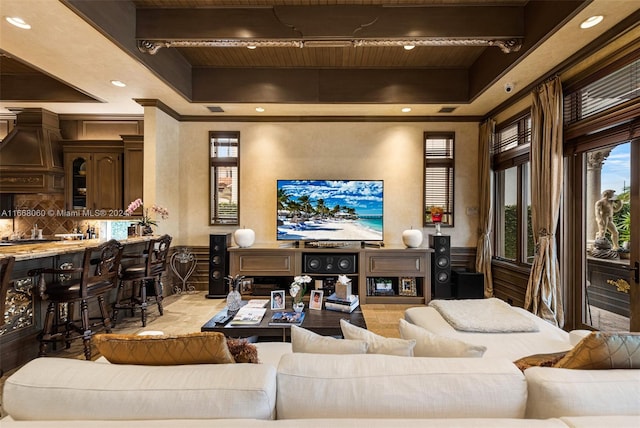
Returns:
point(539, 360)
point(601, 350)
point(305, 341)
point(193, 348)
point(378, 344)
point(433, 345)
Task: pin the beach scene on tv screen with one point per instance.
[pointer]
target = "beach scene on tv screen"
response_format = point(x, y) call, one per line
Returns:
point(330, 210)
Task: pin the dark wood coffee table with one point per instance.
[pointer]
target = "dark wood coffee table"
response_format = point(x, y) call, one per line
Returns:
point(324, 322)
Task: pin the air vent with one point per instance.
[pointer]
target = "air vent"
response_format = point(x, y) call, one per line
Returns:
point(215, 109)
point(447, 109)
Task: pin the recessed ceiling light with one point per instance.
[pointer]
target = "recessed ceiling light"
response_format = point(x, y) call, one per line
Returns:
point(408, 47)
point(406, 109)
point(18, 22)
point(118, 83)
point(251, 47)
point(592, 21)
point(259, 109)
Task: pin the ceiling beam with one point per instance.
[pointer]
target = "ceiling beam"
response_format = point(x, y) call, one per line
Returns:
point(331, 22)
point(542, 19)
point(249, 85)
point(115, 19)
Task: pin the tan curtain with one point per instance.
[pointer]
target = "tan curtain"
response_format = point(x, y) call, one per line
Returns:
point(544, 297)
point(485, 192)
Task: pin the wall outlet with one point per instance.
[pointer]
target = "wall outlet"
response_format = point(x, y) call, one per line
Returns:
point(472, 211)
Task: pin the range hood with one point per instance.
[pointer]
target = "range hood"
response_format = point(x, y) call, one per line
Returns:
point(31, 156)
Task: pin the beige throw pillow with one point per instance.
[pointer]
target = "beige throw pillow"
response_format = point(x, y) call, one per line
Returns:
point(377, 344)
point(193, 348)
point(306, 341)
point(601, 350)
point(433, 345)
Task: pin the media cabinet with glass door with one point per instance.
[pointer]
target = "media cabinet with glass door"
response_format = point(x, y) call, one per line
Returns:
point(378, 275)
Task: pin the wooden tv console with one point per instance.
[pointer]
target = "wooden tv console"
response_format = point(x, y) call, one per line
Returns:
point(401, 269)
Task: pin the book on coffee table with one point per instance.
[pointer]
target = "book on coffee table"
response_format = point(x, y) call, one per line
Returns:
point(348, 305)
point(257, 303)
point(248, 316)
point(287, 318)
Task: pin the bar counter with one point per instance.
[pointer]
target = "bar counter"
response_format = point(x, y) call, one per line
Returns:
point(24, 307)
point(56, 248)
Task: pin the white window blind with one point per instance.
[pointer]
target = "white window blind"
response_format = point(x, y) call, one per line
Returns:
point(609, 91)
point(439, 165)
point(224, 176)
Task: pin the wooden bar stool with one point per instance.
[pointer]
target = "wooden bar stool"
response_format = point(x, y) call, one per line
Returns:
point(145, 280)
point(98, 276)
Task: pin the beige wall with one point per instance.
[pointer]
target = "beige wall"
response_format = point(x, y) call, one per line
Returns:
point(162, 169)
point(328, 150)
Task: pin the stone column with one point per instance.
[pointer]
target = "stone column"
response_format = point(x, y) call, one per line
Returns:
point(595, 159)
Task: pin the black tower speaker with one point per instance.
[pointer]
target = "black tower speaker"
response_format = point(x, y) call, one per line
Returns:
point(468, 285)
point(329, 263)
point(218, 265)
point(441, 285)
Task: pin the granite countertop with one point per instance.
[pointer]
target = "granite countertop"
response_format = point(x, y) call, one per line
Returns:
point(55, 248)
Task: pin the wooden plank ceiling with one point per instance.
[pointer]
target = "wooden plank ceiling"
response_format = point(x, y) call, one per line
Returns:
point(454, 72)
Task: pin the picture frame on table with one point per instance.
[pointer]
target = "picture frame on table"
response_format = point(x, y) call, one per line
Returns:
point(246, 286)
point(408, 287)
point(278, 300)
point(384, 287)
point(315, 300)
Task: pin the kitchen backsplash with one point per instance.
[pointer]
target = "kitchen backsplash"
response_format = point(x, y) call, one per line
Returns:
point(44, 210)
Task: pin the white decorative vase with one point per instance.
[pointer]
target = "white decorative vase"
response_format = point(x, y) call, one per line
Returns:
point(244, 237)
point(412, 238)
point(298, 307)
point(438, 231)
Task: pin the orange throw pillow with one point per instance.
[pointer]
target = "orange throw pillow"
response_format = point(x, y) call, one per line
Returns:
point(192, 348)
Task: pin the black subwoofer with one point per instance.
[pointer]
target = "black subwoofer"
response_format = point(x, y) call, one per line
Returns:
point(329, 263)
point(218, 265)
point(468, 285)
point(441, 285)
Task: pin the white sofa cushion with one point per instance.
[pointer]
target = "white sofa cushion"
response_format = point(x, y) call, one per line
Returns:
point(306, 341)
point(389, 386)
point(555, 392)
point(303, 423)
point(513, 346)
point(60, 388)
point(432, 345)
point(601, 421)
point(377, 344)
point(270, 352)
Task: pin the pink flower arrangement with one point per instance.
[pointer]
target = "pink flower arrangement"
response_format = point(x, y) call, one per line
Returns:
point(146, 219)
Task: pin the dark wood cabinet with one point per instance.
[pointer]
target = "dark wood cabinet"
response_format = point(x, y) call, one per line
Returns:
point(93, 175)
point(133, 169)
point(403, 267)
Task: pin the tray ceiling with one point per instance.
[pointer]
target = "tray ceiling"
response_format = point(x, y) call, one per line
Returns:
point(345, 53)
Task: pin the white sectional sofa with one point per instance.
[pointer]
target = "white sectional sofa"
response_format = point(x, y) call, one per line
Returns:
point(312, 390)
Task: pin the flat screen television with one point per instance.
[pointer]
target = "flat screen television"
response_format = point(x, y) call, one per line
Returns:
point(330, 210)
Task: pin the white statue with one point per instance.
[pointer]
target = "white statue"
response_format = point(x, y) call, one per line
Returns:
point(605, 208)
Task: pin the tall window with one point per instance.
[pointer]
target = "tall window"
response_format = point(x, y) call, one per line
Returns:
point(224, 177)
point(512, 229)
point(439, 166)
point(604, 92)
